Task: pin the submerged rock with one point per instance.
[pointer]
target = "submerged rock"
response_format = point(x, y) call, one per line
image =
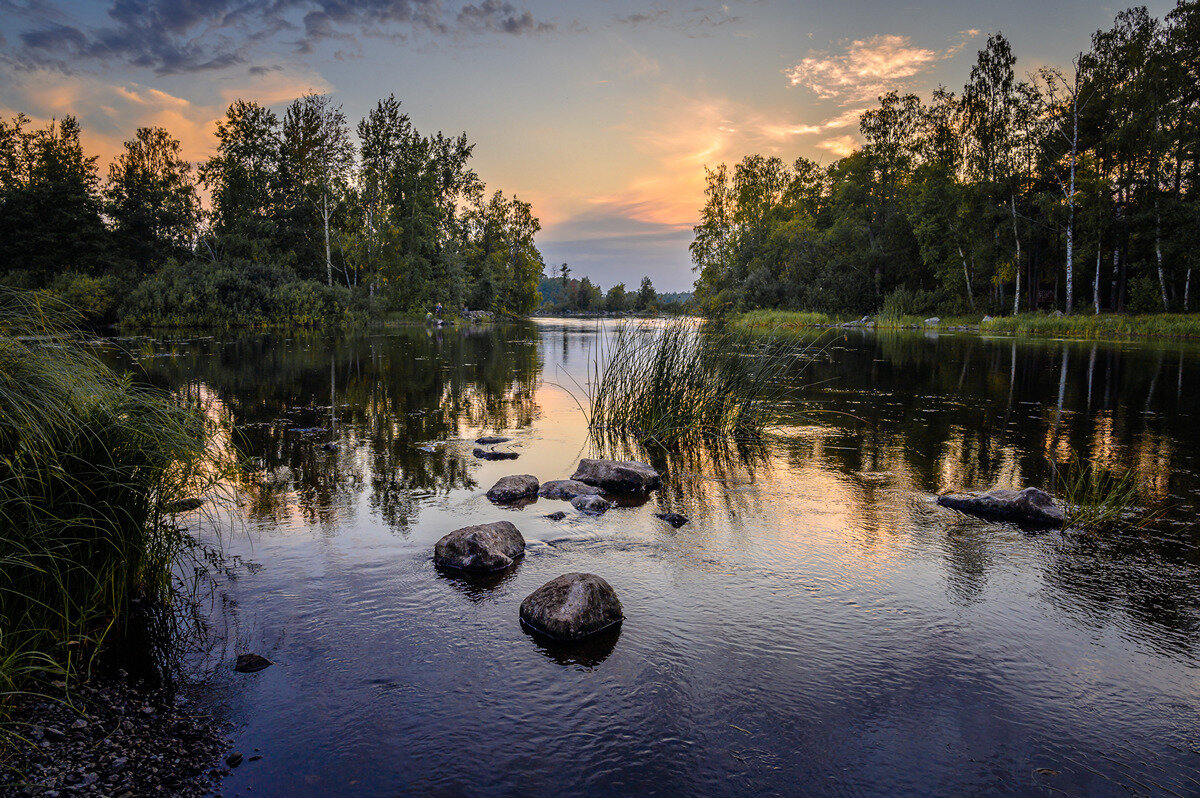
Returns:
point(489, 440)
point(183, 505)
point(592, 505)
point(572, 606)
point(567, 489)
point(251, 663)
point(674, 519)
point(557, 515)
point(484, 454)
point(618, 476)
point(513, 487)
point(484, 547)
point(1030, 507)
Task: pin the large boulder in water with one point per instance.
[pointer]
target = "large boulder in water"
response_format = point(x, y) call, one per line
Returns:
point(618, 476)
point(572, 606)
point(1029, 507)
point(484, 547)
point(513, 487)
point(567, 489)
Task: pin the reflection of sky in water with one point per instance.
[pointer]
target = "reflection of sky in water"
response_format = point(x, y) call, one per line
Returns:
point(819, 626)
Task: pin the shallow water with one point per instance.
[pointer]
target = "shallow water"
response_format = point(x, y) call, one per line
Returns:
point(819, 627)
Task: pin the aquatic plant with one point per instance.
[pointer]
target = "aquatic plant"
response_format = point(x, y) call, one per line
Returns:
point(93, 472)
point(677, 383)
point(1097, 498)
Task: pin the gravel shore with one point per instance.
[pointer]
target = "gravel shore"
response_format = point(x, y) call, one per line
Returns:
point(114, 737)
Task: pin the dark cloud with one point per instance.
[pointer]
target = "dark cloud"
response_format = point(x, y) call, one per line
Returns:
point(693, 22)
point(174, 36)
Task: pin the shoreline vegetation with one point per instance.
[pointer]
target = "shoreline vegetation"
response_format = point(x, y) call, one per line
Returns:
point(1102, 326)
point(96, 476)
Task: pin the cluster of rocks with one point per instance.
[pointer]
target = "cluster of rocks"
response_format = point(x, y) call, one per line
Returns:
point(572, 606)
point(116, 737)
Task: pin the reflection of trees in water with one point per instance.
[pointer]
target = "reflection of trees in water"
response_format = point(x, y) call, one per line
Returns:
point(938, 413)
point(391, 391)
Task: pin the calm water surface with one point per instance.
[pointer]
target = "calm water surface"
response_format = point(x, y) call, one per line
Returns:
point(819, 627)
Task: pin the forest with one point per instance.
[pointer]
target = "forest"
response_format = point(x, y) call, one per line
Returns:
point(305, 223)
point(1070, 190)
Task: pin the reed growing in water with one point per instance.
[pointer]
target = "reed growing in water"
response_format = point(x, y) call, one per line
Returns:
point(678, 384)
point(93, 470)
point(1097, 498)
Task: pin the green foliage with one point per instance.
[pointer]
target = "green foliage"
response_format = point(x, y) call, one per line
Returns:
point(236, 294)
point(1096, 498)
point(95, 299)
point(91, 471)
point(907, 302)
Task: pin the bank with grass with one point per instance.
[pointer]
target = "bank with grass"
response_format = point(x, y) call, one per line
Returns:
point(1081, 325)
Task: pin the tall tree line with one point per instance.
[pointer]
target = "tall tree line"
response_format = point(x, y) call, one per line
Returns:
point(382, 218)
point(1065, 188)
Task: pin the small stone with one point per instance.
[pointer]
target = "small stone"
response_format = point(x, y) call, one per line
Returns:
point(119, 762)
point(513, 487)
point(572, 606)
point(254, 758)
point(483, 454)
point(592, 505)
point(557, 515)
point(251, 663)
point(54, 733)
point(80, 723)
point(618, 476)
point(491, 440)
point(483, 547)
point(234, 759)
point(147, 710)
point(674, 519)
point(567, 489)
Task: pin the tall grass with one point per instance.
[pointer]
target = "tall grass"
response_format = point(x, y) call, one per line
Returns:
point(677, 384)
point(1097, 498)
point(92, 469)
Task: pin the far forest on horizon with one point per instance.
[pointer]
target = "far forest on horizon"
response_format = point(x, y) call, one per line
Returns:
point(1060, 189)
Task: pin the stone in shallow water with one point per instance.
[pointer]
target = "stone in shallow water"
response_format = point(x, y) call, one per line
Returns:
point(592, 505)
point(557, 515)
point(567, 489)
point(618, 476)
point(572, 606)
point(483, 547)
point(1029, 507)
point(489, 440)
point(513, 487)
point(251, 663)
point(674, 519)
point(484, 454)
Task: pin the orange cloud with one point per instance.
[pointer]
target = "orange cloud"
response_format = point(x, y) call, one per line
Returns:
point(868, 67)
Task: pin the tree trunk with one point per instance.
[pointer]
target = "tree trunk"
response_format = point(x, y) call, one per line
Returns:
point(1096, 282)
point(1017, 241)
point(967, 275)
point(328, 255)
point(1187, 289)
point(1071, 206)
point(1162, 280)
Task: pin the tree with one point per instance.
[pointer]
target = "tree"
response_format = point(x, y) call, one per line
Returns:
point(151, 200)
point(646, 295)
point(243, 176)
point(616, 300)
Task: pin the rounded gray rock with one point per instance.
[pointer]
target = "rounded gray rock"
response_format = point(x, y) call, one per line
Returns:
point(1030, 507)
point(483, 547)
point(572, 606)
point(567, 489)
point(513, 487)
point(592, 505)
point(618, 476)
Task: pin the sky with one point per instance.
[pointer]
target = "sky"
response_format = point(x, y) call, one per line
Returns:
point(602, 113)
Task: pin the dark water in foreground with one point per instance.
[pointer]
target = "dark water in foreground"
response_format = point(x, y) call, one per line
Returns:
point(820, 627)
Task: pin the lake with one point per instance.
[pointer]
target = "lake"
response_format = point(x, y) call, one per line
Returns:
point(820, 626)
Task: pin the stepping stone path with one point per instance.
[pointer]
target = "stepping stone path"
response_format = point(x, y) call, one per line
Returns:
point(480, 548)
point(571, 607)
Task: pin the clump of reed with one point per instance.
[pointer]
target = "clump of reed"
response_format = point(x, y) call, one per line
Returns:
point(1097, 498)
point(93, 470)
point(676, 384)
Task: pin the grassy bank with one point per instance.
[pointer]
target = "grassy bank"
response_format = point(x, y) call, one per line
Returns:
point(92, 472)
point(1080, 325)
